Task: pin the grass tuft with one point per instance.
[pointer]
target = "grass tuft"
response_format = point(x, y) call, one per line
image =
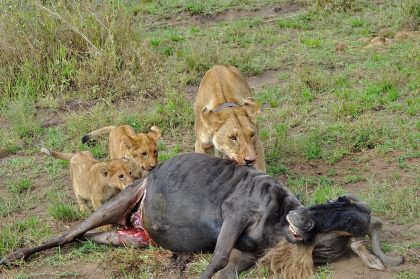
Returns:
point(21, 186)
point(21, 113)
point(64, 212)
point(398, 203)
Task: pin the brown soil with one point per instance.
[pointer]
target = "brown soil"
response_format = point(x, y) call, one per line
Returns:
point(366, 164)
point(267, 13)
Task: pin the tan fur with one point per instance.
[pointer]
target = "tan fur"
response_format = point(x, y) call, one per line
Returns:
point(140, 149)
point(290, 261)
point(94, 182)
point(231, 131)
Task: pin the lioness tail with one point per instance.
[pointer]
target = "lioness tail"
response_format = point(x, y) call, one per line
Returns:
point(60, 155)
point(97, 133)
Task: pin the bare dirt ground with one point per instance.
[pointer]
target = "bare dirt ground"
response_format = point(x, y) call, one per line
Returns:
point(265, 12)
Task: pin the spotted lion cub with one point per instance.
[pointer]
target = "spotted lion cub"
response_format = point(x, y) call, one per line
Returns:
point(226, 118)
point(94, 182)
point(140, 149)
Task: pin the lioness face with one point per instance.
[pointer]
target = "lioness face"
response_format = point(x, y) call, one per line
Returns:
point(117, 173)
point(236, 139)
point(142, 149)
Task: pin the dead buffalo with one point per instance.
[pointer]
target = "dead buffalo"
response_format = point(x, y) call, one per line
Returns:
point(195, 202)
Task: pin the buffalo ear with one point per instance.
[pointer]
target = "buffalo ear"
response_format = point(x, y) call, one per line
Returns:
point(252, 108)
point(211, 119)
point(155, 133)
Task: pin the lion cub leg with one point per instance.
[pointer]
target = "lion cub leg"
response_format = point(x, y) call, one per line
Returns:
point(83, 204)
point(96, 203)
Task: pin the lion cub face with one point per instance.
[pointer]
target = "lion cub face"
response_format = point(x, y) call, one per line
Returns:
point(235, 131)
point(142, 149)
point(116, 173)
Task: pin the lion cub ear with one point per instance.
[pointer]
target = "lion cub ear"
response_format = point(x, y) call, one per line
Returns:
point(127, 142)
point(211, 119)
point(155, 133)
point(103, 168)
point(251, 107)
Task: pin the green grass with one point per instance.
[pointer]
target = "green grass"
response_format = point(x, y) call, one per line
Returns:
point(353, 179)
point(400, 203)
point(406, 275)
point(314, 190)
point(64, 212)
point(23, 232)
point(21, 186)
point(324, 272)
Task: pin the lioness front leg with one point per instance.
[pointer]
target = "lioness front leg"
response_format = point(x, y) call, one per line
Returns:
point(260, 163)
point(203, 148)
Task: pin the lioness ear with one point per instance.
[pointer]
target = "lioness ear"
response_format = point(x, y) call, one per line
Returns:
point(251, 107)
point(210, 118)
point(127, 142)
point(155, 133)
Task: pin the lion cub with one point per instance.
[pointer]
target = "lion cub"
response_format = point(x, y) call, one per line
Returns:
point(140, 149)
point(94, 182)
point(226, 118)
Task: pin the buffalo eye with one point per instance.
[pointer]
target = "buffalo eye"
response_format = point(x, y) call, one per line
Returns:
point(233, 138)
point(310, 224)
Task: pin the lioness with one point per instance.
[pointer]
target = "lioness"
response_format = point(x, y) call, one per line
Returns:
point(94, 182)
point(225, 118)
point(140, 149)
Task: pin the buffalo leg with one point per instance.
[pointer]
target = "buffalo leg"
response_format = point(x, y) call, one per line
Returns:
point(229, 234)
point(112, 212)
point(358, 246)
point(238, 262)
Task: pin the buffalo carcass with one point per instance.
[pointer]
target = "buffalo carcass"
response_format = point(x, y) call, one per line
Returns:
point(195, 202)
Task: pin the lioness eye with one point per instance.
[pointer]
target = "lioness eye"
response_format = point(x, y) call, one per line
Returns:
point(233, 138)
point(144, 153)
point(121, 176)
point(252, 134)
